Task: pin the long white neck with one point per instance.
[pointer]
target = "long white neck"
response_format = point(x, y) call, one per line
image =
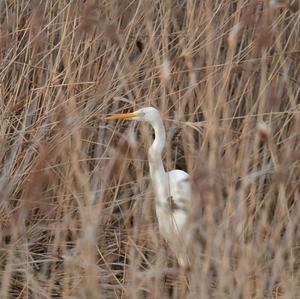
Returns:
point(157, 147)
point(157, 170)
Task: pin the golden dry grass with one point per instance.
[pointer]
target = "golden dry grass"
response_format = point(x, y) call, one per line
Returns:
point(77, 211)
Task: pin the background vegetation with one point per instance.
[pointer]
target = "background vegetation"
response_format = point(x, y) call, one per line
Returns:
point(77, 208)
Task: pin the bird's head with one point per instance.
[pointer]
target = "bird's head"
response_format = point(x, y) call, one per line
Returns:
point(148, 114)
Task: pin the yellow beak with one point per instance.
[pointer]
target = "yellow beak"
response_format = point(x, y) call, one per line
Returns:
point(123, 116)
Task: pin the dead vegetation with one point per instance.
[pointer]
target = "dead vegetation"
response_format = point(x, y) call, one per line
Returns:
point(76, 209)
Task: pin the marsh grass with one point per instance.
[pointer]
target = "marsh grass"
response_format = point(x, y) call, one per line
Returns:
point(77, 208)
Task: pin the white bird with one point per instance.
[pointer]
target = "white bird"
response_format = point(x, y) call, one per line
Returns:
point(172, 189)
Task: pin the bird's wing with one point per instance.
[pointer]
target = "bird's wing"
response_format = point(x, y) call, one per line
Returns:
point(180, 198)
point(179, 189)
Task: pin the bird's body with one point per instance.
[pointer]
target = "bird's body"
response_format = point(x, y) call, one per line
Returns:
point(172, 189)
point(171, 212)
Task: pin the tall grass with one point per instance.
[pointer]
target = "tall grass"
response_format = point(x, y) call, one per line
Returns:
point(77, 207)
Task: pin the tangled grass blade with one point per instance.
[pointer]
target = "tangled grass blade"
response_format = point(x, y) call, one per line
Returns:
point(80, 208)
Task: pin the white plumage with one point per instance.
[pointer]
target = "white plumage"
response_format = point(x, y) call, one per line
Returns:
point(172, 189)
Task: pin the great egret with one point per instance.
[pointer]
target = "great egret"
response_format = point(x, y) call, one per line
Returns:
point(172, 189)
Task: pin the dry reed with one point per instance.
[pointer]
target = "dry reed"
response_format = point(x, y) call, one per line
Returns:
point(76, 211)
